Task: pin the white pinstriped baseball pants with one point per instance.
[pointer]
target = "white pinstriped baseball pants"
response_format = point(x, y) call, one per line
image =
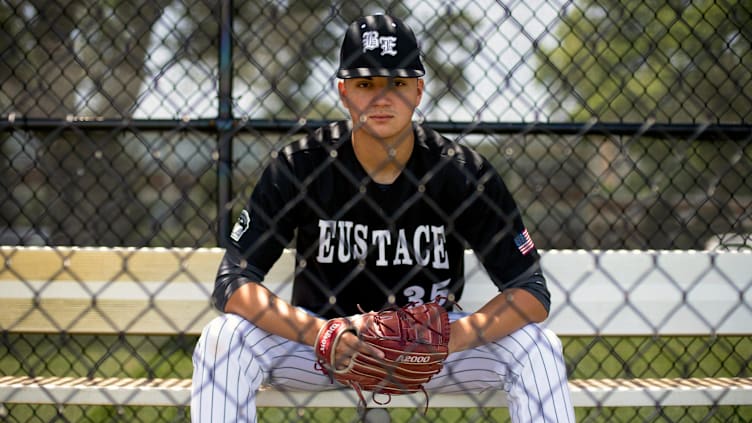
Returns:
point(233, 358)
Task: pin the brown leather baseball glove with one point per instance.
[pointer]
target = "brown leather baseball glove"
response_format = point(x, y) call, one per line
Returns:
point(414, 340)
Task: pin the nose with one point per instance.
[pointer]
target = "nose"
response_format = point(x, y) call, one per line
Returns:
point(384, 96)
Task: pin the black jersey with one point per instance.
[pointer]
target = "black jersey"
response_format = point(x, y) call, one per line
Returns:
point(361, 243)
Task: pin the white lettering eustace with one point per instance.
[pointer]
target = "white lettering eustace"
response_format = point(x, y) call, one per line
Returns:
point(345, 244)
point(326, 233)
point(381, 238)
point(402, 254)
point(420, 238)
point(344, 241)
point(440, 259)
point(361, 245)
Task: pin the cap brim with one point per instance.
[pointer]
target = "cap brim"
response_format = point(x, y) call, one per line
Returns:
point(368, 72)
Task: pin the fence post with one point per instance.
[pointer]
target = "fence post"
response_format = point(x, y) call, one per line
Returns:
point(224, 124)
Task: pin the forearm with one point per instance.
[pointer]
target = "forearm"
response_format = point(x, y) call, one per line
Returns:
point(267, 311)
point(502, 315)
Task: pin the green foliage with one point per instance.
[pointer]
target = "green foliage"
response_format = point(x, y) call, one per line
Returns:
point(628, 60)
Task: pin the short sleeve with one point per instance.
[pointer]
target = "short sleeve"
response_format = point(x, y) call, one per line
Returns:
point(261, 232)
point(492, 226)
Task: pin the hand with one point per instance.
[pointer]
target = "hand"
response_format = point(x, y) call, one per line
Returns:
point(391, 352)
point(351, 345)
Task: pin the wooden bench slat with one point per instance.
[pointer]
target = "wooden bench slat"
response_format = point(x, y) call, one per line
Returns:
point(618, 293)
point(109, 264)
point(170, 392)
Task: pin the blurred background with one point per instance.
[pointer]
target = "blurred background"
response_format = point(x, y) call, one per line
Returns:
point(618, 124)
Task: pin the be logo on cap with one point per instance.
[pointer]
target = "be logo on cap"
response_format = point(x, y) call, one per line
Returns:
point(372, 41)
point(379, 45)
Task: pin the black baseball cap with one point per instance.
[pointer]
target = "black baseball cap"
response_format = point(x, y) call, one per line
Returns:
point(379, 45)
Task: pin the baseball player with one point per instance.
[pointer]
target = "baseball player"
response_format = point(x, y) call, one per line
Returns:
point(380, 210)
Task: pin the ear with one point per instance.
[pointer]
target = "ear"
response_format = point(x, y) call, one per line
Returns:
point(342, 92)
point(421, 85)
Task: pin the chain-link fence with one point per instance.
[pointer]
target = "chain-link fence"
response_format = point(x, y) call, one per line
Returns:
point(615, 125)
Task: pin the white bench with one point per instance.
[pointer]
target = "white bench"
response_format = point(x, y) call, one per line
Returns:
point(166, 291)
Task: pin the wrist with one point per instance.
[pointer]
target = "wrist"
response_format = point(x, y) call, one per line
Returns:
point(455, 334)
point(311, 335)
point(465, 335)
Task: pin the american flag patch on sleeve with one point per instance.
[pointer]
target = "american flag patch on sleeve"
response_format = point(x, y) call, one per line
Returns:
point(524, 243)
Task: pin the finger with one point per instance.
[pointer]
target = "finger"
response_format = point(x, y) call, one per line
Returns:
point(346, 348)
point(368, 349)
point(358, 346)
point(342, 363)
point(350, 345)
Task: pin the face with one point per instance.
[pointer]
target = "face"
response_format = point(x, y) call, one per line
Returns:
point(381, 106)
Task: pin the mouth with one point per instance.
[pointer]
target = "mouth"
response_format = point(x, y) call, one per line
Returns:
point(380, 117)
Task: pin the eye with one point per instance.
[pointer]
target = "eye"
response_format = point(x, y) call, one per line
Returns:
point(364, 83)
point(399, 83)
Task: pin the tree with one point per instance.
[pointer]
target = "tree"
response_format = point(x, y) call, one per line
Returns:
point(629, 60)
point(74, 58)
point(664, 61)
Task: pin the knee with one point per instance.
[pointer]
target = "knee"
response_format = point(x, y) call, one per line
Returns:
point(553, 340)
point(538, 340)
point(539, 351)
point(220, 337)
point(546, 342)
